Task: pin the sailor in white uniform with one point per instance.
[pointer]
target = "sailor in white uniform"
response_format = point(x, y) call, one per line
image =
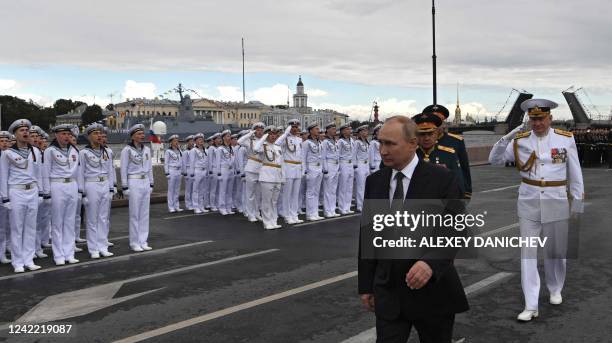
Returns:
point(374, 152)
point(188, 178)
point(137, 185)
point(240, 161)
point(43, 221)
point(212, 171)
point(20, 177)
point(313, 170)
point(270, 176)
point(43, 237)
point(361, 164)
point(112, 177)
point(224, 166)
point(174, 168)
point(207, 178)
point(74, 130)
point(5, 136)
point(61, 165)
point(330, 171)
point(291, 145)
point(547, 161)
point(302, 196)
point(251, 170)
point(96, 186)
point(199, 172)
point(345, 178)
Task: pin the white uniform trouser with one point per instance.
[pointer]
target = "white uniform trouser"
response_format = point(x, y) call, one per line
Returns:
point(188, 192)
point(43, 225)
point(4, 230)
point(243, 197)
point(96, 216)
point(345, 186)
point(269, 198)
point(214, 185)
point(199, 188)
point(139, 201)
point(63, 213)
point(77, 218)
point(238, 192)
point(554, 259)
point(330, 182)
point(174, 187)
point(361, 173)
point(253, 194)
point(224, 190)
point(302, 195)
point(280, 205)
point(23, 225)
point(313, 187)
point(291, 197)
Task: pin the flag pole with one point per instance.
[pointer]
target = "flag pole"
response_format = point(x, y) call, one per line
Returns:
point(433, 57)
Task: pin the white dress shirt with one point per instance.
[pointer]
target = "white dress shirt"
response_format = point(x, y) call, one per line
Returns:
point(407, 171)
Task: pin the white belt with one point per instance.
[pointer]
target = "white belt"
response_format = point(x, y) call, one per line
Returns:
point(61, 179)
point(317, 164)
point(364, 161)
point(200, 168)
point(226, 167)
point(346, 161)
point(26, 186)
point(176, 168)
point(96, 179)
point(332, 161)
point(137, 176)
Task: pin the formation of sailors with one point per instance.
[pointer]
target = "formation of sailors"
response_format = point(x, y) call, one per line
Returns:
point(594, 146)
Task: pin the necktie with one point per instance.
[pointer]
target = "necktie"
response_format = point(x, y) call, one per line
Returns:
point(398, 195)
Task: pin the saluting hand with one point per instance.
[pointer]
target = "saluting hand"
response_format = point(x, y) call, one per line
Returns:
point(368, 301)
point(418, 275)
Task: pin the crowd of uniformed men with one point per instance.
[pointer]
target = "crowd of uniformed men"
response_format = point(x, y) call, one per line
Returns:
point(594, 146)
point(263, 173)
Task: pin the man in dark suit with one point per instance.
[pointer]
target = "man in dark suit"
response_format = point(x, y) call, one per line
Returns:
point(423, 292)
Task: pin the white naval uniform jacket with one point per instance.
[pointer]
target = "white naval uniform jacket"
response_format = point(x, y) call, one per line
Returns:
point(112, 176)
point(95, 164)
point(198, 161)
point(15, 169)
point(312, 155)
point(212, 155)
point(241, 159)
point(330, 156)
point(345, 151)
point(135, 161)
point(556, 160)
point(271, 156)
point(224, 161)
point(361, 154)
point(375, 157)
point(292, 155)
point(61, 163)
point(173, 160)
point(253, 163)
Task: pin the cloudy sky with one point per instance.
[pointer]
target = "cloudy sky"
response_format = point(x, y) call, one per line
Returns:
point(349, 52)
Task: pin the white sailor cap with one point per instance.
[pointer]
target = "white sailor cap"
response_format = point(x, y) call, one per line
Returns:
point(45, 136)
point(304, 132)
point(235, 135)
point(105, 129)
point(19, 123)
point(243, 132)
point(280, 128)
point(258, 125)
point(13, 138)
point(190, 137)
point(537, 108)
point(136, 128)
point(376, 128)
point(330, 125)
point(62, 128)
point(270, 128)
point(344, 126)
point(362, 127)
point(226, 132)
point(173, 137)
point(294, 122)
point(312, 126)
point(36, 129)
point(215, 136)
point(5, 134)
point(93, 127)
point(74, 130)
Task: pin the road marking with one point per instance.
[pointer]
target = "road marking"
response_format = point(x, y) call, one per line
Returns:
point(498, 230)
point(499, 189)
point(104, 260)
point(87, 300)
point(326, 220)
point(226, 311)
point(369, 335)
point(189, 215)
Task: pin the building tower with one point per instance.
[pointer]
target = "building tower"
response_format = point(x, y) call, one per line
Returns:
point(300, 99)
point(457, 120)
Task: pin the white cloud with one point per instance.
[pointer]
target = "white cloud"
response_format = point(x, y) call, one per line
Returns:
point(229, 93)
point(7, 85)
point(274, 95)
point(133, 89)
point(387, 108)
point(314, 92)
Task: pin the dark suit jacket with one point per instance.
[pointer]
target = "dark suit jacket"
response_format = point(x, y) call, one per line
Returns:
point(385, 278)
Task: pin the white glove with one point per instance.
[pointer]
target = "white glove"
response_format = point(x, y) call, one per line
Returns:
point(150, 190)
point(7, 205)
point(40, 200)
point(114, 190)
point(48, 201)
point(126, 193)
point(84, 201)
point(510, 135)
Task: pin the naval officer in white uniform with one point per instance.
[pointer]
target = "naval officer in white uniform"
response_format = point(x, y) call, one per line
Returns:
point(361, 164)
point(137, 185)
point(374, 153)
point(330, 171)
point(251, 170)
point(270, 176)
point(547, 161)
point(291, 145)
point(5, 136)
point(345, 178)
point(199, 173)
point(313, 170)
point(174, 168)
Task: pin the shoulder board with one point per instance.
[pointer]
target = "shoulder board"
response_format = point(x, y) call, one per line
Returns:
point(447, 149)
point(522, 134)
point(563, 133)
point(456, 136)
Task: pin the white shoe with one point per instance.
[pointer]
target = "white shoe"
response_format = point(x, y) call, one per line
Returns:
point(350, 212)
point(252, 219)
point(197, 211)
point(214, 209)
point(290, 221)
point(556, 299)
point(259, 218)
point(77, 249)
point(80, 240)
point(40, 254)
point(298, 220)
point(189, 208)
point(146, 247)
point(336, 214)
point(312, 219)
point(231, 212)
point(46, 245)
point(73, 260)
point(106, 254)
point(137, 249)
point(172, 211)
point(110, 244)
point(33, 267)
point(95, 255)
point(319, 217)
point(5, 260)
point(179, 210)
point(60, 263)
point(19, 270)
point(327, 215)
point(527, 315)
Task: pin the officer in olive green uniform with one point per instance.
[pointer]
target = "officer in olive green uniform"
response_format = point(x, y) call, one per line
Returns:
point(455, 142)
point(430, 150)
